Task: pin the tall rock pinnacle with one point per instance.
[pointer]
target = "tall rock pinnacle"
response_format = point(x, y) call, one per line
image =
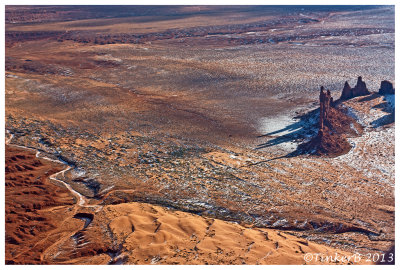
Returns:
point(359, 90)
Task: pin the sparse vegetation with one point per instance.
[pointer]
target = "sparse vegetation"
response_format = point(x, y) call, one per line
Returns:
point(177, 111)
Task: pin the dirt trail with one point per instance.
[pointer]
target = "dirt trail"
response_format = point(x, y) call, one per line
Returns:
point(141, 233)
point(81, 199)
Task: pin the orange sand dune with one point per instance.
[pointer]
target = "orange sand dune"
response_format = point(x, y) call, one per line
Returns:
point(155, 235)
point(131, 233)
point(148, 234)
point(140, 233)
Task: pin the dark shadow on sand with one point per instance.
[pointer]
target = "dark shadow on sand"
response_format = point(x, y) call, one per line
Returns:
point(383, 121)
point(386, 119)
point(307, 126)
point(370, 97)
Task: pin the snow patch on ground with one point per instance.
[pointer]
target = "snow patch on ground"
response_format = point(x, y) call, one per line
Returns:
point(277, 126)
point(281, 125)
point(373, 153)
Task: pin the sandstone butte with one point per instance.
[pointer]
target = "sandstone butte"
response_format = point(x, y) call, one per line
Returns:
point(359, 90)
point(386, 88)
point(335, 125)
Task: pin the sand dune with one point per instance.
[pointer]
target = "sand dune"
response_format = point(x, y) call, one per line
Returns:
point(194, 110)
point(128, 233)
point(140, 233)
point(156, 235)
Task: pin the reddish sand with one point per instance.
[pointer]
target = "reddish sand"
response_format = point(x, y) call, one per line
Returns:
point(44, 226)
point(32, 205)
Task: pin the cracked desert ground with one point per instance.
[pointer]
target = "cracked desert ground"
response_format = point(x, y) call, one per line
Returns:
point(168, 134)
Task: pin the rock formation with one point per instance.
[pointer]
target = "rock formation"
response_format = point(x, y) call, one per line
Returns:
point(324, 104)
point(386, 88)
point(359, 90)
point(347, 92)
point(332, 128)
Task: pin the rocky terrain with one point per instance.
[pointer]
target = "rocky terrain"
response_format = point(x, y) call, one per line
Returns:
point(210, 117)
point(46, 224)
point(332, 127)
